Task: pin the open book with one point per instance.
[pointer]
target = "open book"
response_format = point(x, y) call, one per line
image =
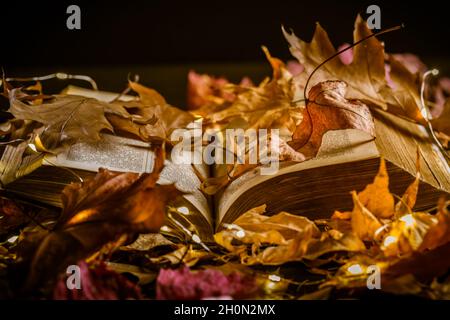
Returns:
point(347, 160)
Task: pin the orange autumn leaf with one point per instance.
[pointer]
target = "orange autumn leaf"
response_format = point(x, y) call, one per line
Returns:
point(328, 109)
point(207, 94)
point(364, 223)
point(288, 236)
point(439, 234)
point(442, 122)
point(267, 106)
point(338, 215)
point(408, 200)
point(376, 196)
point(333, 241)
point(407, 233)
point(282, 238)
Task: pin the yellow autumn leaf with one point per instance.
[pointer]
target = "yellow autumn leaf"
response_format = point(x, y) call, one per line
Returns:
point(407, 233)
point(286, 236)
point(376, 196)
point(364, 223)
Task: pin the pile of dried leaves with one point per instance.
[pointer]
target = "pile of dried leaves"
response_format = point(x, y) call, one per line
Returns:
point(109, 224)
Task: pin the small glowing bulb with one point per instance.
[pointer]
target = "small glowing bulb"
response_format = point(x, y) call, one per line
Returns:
point(355, 269)
point(13, 239)
point(196, 239)
point(62, 76)
point(408, 220)
point(274, 278)
point(435, 72)
point(32, 146)
point(183, 210)
point(165, 229)
point(240, 234)
point(389, 240)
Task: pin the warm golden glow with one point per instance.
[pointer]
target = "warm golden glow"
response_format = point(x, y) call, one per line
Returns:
point(32, 146)
point(196, 239)
point(408, 220)
point(183, 210)
point(240, 234)
point(274, 278)
point(165, 229)
point(389, 240)
point(355, 269)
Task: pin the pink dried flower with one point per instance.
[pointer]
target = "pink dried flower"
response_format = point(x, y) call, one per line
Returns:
point(184, 284)
point(98, 283)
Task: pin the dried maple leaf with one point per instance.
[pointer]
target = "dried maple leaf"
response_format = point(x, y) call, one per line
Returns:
point(98, 211)
point(328, 109)
point(268, 106)
point(365, 75)
point(404, 98)
point(66, 118)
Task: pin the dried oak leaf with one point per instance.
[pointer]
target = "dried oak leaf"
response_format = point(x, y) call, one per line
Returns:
point(152, 117)
point(328, 109)
point(100, 210)
point(365, 75)
point(66, 118)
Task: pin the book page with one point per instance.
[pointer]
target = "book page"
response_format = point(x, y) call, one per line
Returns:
point(111, 152)
point(129, 155)
point(337, 147)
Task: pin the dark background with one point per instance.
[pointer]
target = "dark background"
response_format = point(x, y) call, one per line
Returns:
point(162, 40)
